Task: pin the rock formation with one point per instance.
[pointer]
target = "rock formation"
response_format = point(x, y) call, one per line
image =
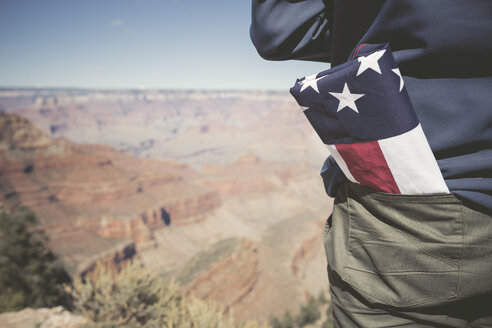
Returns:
point(56, 317)
point(88, 197)
point(227, 279)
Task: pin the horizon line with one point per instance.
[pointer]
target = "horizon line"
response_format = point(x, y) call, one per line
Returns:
point(141, 89)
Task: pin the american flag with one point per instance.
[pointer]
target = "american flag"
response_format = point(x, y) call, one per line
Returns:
point(363, 114)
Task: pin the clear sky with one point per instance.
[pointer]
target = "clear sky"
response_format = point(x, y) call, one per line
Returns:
point(172, 44)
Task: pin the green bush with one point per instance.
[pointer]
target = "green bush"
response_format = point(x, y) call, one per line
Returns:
point(30, 273)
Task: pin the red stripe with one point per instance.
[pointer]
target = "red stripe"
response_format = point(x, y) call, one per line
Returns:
point(368, 166)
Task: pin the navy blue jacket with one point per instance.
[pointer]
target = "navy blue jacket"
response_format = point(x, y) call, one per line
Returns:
point(443, 49)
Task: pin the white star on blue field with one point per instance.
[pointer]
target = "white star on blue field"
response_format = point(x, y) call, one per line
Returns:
point(347, 99)
point(172, 44)
point(370, 62)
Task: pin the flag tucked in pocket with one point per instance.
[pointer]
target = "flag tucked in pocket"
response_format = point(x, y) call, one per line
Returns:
point(362, 112)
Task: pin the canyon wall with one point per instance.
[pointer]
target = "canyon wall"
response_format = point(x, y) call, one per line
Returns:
point(219, 189)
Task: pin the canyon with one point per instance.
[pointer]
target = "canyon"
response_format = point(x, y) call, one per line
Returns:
point(219, 190)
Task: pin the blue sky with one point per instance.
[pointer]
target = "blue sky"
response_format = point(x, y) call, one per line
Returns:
point(172, 44)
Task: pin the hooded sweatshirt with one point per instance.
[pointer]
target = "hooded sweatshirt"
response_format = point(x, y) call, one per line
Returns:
point(444, 51)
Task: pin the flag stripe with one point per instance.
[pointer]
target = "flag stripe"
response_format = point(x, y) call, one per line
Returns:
point(412, 163)
point(343, 166)
point(371, 128)
point(368, 166)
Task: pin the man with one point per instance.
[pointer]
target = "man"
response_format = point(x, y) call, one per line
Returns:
point(407, 260)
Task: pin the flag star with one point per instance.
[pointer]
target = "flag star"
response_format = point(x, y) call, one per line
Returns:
point(371, 62)
point(346, 99)
point(397, 72)
point(310, 77)
point(310, 81)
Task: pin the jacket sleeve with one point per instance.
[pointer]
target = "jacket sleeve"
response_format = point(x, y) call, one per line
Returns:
point(291, 29)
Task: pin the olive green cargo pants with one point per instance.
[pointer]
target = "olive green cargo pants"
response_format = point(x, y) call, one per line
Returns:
point(408, 261)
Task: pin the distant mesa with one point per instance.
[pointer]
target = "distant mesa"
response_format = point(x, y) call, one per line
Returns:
point(19, 138)
point(248, 159)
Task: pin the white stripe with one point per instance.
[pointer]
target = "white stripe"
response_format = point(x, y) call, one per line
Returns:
point(334, 152)
point(413, 164)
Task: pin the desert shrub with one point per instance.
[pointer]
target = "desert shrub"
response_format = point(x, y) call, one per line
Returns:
point(30, 273)
point(108, 325)
point(309, 313)
point(131, 297)
point(194, 313)
point(135, 297)
point(287, 321)
point(253, 324)
point(275, 322)
point(322, 298)
point(328, 323)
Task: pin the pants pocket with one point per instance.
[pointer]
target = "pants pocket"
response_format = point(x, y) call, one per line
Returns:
point(403, 250)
